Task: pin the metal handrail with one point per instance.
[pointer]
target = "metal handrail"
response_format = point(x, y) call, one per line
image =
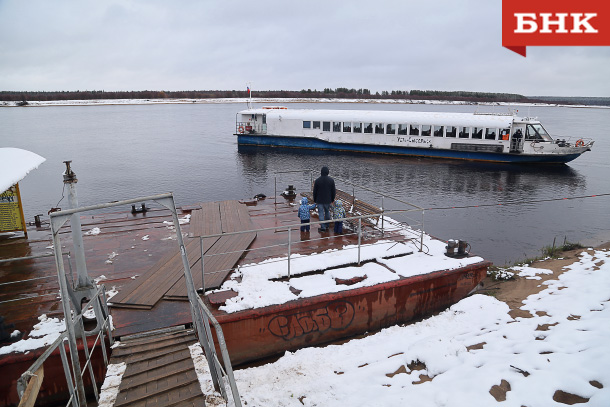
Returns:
point(228, 369)
point(100, 295)
point(74, 326)
point(298, 225)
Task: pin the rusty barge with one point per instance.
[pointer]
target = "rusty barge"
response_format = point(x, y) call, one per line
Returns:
point(383, 271)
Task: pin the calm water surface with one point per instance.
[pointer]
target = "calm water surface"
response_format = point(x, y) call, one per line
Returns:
point(121, 152)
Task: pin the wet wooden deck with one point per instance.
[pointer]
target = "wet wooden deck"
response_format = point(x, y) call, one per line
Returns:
point(166, 277)
point(130, 248)
point(159, 372)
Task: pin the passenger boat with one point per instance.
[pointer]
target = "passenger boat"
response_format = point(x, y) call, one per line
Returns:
point(491, 137)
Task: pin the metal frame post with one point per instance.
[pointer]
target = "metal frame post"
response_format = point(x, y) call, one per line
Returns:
point(289, 248)
point(359, 237)
point(421, 239)
point(64, 362)
point(56, 224)
point(382, 209)
point(202, 266)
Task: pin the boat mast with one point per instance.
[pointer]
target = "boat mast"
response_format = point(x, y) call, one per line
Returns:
point(249, 96)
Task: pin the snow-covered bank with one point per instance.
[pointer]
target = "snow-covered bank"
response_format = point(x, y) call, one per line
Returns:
point(474, 353)
point(97, 102)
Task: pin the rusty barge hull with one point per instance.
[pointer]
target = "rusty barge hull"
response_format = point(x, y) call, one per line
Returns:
point(259, 333)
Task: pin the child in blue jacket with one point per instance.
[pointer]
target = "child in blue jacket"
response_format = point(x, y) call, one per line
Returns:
point(304, 214)
point(338, 213)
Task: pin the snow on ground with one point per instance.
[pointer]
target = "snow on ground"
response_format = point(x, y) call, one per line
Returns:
point(42, 334)
point(531, 273)
point(110, 387)
point(212, 397)
point(257, 287)
point(15, 164)
point(93, 232)
point(463, 355)
point(275, 101)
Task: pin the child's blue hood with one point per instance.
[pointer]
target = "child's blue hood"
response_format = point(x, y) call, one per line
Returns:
point(303, 201)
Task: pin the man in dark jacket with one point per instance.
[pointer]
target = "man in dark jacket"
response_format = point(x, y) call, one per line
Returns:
point(323, 195)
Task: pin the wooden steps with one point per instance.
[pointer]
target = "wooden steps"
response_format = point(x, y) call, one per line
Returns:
point(159, 372)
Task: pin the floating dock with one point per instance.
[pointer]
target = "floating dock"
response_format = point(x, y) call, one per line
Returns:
point(135, 255)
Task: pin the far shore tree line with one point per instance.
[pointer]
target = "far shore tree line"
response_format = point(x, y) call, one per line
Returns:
point(339, 93)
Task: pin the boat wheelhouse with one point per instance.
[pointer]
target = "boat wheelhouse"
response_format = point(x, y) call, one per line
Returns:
point(471, 136)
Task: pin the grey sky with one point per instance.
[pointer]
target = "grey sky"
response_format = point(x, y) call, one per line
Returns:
point(199, 44)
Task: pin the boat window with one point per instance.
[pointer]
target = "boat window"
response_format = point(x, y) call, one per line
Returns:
point(347, 127)
point(490, 134)
point(477, 132)
point(325, 126)
point(357, 127)
point(438, 131)
point(402, 129)
point(337, 126)
point(451, 131)
point(464, 132)
point(504, 134)
point(264, 119)
point(426, 130)
point(390, 129)
point(368, 127)
point(536, 132)
point(307, 124)
point(379, 128)
point(414, 131)
point(316, 125)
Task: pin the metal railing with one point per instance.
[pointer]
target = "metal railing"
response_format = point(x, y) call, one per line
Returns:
point(250, 128)
point(74, 380)
point(418, 237)
point(405, 221)
point(199, 312)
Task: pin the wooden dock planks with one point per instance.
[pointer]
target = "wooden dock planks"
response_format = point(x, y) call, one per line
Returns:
point(166, 278)
point(160, 371)
point(218, 262)
point(145, 292)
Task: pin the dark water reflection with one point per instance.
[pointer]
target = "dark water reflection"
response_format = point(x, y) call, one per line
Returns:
point(121, 152)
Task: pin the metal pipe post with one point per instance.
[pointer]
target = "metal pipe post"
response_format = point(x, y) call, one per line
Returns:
point(382, 209)
point(83, 279)
point(202, 269)
point(289, 249)
point(65, 301)
point(359, 237)
point(421, 241)
point(64, 362)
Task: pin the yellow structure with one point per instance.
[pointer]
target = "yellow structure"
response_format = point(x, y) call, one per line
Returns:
point(15, 164)
point(11, 211)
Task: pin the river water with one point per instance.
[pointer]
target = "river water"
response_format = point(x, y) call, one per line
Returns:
point(125, 151)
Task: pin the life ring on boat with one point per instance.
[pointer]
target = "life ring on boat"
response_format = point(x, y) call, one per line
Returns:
point(580, 143)
point(241, 129)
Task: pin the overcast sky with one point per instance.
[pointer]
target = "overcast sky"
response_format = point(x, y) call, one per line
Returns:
point(203, 44)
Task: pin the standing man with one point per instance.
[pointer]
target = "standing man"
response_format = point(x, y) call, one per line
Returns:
point(323, 195)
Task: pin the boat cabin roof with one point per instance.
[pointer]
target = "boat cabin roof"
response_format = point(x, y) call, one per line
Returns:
point(438, 118)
